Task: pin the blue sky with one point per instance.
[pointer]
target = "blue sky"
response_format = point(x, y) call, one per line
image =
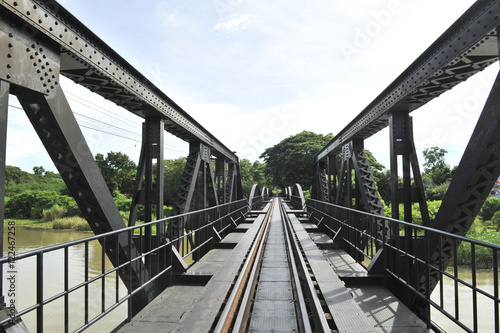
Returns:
point(256, 72)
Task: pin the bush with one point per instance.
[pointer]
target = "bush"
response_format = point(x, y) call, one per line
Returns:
point(490, 207)
point(484, 256)
point(55, 212)
point(437, 192)
point(73, 209)
point(432, 207)
point(496, 220)
point(75, 223)
point(30, 204)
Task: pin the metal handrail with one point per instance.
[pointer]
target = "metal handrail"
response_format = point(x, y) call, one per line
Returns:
point(360, 232)
point(217, 219)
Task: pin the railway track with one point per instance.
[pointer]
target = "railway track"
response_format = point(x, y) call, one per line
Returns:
point(275, 290)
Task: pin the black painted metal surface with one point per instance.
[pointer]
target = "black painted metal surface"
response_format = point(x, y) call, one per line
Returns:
point(90, 62)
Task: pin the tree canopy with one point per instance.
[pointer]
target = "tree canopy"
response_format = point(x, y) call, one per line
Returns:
point(291, 161)
point(252, 173)
point(172, 179)
point(118, 170)
point(437, 174)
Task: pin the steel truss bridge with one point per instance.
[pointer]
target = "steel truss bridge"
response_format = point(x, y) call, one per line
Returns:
point(225, 263)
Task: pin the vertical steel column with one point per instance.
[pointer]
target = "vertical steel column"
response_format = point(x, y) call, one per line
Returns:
point(233, 185)
point(154, 152)
point(399, 146)
point(332, 173)
point(402, 144)
point(320, 183)
point(138, 196)
point(154, 189)
point(419, 191)
point(220, 176)
point(4, 105)
point(340, 198)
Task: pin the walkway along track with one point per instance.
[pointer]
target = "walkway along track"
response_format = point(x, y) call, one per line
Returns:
point(274, 290)
point(278, 271)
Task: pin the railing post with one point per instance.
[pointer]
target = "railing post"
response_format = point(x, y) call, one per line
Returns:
point(86, 288)
point(495, 290)
point(130, 270)
point(39, 292)
point(66, 287)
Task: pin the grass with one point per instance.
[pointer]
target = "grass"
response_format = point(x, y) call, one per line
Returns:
point(74, 223)
point(30, 223)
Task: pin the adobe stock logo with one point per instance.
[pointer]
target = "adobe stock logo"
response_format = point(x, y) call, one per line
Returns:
point(226, 7)
point(460, 113)
point(254, 145)
point(363, 37)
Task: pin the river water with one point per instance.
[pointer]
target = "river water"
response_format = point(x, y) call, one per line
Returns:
point(25, 287)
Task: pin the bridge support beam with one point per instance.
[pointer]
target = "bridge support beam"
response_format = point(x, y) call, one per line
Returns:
point(148, 190)
point(220, 177)
point(472, 182)
point(402, 145)
point(59, 132)
point(321, 183)
point(233, 190)
point(198, 188)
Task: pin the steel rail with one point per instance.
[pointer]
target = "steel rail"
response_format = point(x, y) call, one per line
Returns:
point(244, 310)
point(90, 62)
point(466, 48)
point(248, 271)
point(291, 245)
point(240, 301)
point(321, 324)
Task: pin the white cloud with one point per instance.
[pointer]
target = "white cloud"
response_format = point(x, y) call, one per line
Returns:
point(233, 23)
point(234, 72)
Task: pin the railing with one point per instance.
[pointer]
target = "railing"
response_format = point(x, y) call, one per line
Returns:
point(401, 248)
point(202, 229)
point(256, 202)
point(297, 202)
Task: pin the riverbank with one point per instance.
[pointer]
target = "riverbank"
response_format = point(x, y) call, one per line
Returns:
point(67, 223)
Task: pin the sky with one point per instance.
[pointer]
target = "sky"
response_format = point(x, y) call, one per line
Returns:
point(255, 72)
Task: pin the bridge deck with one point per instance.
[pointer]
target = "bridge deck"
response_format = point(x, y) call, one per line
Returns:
point(194, 307)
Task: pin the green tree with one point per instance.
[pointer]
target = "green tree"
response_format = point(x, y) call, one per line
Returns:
point(172, 179)
point(435, 166)
point(14, 174)
point(291, 161)
point(30, 204)
point(118, 170)
point(38, 170)
point(18, 181)
point(252, 173)
point(490, 207)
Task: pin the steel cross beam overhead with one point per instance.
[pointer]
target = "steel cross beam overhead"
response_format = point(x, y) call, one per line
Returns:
point(466, 48)
point(87, 60)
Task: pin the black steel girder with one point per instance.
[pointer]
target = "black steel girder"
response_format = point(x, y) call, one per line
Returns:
point(473, 180)
point(466, 48)
point(59, 132)
point(90, 62)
